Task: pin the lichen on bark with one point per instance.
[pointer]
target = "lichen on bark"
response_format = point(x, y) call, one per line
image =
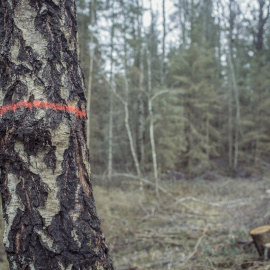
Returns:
point(47, 199)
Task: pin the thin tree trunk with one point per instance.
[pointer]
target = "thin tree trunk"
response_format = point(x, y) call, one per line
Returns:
point(207, 135)
point(151, 126)
point(234, 86)
point(163, 42)
point(257, 150)
point(230, 127)
point(110, 157)
point(131, 144)
point(259, 43)
point(140, 103)
point(125, 103)
point(238, 120)
point(140, 131)
point(259, 37)
point(182, 19)
point(91, 65)
point(204, 21)
point(48, 204)
point(232, 16)
point(130, 138)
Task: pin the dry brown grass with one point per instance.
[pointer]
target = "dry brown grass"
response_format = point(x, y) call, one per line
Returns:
point(145, 234)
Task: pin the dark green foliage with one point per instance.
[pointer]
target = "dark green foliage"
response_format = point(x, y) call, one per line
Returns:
point(193, 71)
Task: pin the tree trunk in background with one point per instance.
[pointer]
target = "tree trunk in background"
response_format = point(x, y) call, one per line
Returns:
point(125, 103)
point(129, 133)
point(230, 127)
point(259, 37)
point(237, 103)
point(91, 64)
point(207, 136)
point(233, 12)
point(110, 157)
point(140, 103)
point(163, 42)
point(48, 204)
point(182, 17)
point(151, 125)
point(140, 110)
point(259, 43)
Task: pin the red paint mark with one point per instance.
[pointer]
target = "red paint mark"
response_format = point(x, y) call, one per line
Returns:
point(42, 105)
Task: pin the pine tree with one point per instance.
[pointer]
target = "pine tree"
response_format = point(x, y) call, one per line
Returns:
point(193, 71)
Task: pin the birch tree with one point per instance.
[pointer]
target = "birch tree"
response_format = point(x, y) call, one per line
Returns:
point(50, 215)
point(91, 64)
point(110, 150)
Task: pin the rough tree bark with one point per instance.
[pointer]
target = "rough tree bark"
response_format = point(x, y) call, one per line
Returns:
point(47, 199)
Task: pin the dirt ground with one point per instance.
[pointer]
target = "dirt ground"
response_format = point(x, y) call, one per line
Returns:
point(197, 224)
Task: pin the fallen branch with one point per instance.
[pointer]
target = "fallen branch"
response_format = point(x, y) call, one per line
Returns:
point(148, 265)
point(229, 204)
point(195, 248)
point(160, 188)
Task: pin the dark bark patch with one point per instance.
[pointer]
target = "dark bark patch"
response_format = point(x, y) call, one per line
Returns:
point(15, 93)
point(50, 158)
point(35, 139)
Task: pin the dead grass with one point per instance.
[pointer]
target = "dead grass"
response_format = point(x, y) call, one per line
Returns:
point(145, 234)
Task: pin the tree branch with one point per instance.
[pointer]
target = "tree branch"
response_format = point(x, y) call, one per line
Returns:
point(180, 91)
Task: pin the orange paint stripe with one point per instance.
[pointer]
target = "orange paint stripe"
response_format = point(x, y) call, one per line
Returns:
point(42, 105)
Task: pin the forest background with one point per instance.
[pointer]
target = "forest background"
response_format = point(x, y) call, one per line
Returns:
point(179, 90)
point(183, 84)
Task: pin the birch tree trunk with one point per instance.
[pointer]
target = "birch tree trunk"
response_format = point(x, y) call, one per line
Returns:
point(151, 125)
point(230, 126)
point(163, 41)
point(125, 103)
point(47, 199)
point(140, 120)
point(237, 114)
point(234, 86)
point(130, 138)
point(207, 136)
point(110, 150)
point(140, 103)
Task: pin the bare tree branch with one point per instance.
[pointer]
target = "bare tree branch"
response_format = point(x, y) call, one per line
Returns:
point(167, 91)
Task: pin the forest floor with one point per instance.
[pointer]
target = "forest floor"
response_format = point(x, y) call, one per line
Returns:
point(196, 224)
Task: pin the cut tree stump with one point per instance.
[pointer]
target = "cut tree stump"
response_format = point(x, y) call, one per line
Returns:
point(261, 239)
